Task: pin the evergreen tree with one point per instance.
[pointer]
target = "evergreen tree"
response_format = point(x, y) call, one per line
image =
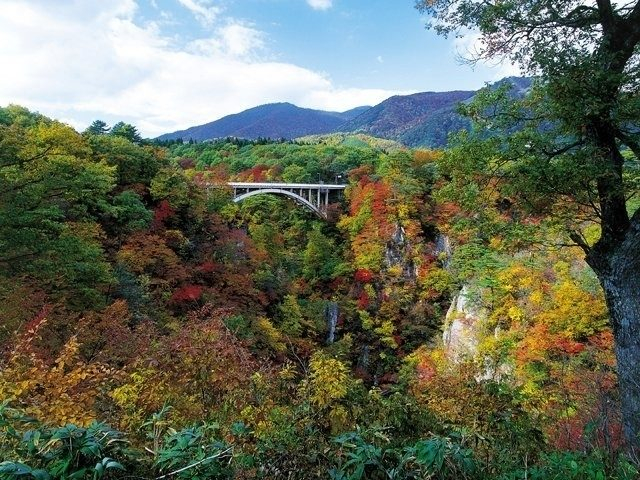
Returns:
point(98, 127)
point(126, 130)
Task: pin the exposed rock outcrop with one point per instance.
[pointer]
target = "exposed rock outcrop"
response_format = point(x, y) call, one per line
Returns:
point(461, 334)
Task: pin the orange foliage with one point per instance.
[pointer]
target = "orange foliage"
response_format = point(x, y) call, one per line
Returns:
point(258, 173)
point(363, 275)
point(63, 391)
point(148, 254)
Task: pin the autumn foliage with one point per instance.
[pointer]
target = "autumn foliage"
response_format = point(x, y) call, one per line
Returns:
point(133, 291)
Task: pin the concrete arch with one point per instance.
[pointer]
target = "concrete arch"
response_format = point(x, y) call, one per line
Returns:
point(278, 191)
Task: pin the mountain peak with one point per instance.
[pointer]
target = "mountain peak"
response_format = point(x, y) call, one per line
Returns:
point(271, 120)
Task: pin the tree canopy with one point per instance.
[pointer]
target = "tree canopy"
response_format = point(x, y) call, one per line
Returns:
point(574, 138)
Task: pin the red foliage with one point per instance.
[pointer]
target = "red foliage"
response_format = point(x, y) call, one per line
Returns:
point(588, 429)
point(337, 284)
point(602, 340)
point(363, 301)
point(31, 332)
point(208, 267)
point(162, 212)
point(187, 293)
point(566, 345)
point(254, 174)
point(362, 374)
point(110, 337)
point(445, 212)
point(31, 328)
point(364, 275)
point(361, 174)
point(381, 194)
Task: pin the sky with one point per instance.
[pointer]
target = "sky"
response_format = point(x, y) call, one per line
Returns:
point(165, 65)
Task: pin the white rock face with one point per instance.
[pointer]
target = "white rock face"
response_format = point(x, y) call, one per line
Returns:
point(398, 253)
point(461, 334)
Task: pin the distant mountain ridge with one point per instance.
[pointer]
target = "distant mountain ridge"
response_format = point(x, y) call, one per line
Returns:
point(418, 120)
point(421, 119)
point(273, 120)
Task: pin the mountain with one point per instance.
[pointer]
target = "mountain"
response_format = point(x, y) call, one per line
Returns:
point(419, 120)
point(353, 113)
point(423, 119)
point(274, 120)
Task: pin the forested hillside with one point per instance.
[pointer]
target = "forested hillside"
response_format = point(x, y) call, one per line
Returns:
point(153, 328)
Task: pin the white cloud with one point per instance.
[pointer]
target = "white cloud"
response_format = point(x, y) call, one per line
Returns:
point(320, 4)
point(203, 10)
point(232, 40)
point(240, 39)
point(90, 59)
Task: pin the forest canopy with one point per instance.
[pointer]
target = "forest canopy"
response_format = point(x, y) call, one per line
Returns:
point(151, 326)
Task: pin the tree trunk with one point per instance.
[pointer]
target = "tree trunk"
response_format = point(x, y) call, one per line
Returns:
point(619, 273)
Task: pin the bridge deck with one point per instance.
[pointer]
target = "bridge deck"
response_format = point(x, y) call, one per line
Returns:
point(313, 186)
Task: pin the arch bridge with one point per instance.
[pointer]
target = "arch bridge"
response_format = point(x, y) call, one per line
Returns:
point(314, 196)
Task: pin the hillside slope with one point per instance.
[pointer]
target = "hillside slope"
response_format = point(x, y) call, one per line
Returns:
point(275, 120)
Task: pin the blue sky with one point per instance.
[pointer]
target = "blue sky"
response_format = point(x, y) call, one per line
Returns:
point(168, 64)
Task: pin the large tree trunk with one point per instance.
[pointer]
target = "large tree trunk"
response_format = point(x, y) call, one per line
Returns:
point(619, 274)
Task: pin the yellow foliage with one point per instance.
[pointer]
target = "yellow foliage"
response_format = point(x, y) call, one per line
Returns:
point(328, 380)
point(536, 298)
point(495, 243)
point(404, 212)
point(269, 334)
point(574, 311)
point(339, 419)
point(395, 271)
point(62, 393)
point(516, 314)
point(365, 318)
point(287, 373)
point(386, 332)
point(437, 280)
point(127, 397)
point(371, 292)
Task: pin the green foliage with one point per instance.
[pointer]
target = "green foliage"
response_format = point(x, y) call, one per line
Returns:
point(68, 452)
point(291, 317)
point(575, 465)
point(130, 212)
point(125, 130)
point(438, 457)
point(151, 289)
point(97, 127)
point(191, 453)
point(320, 258)
point(51, 192)
point(135, 164)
